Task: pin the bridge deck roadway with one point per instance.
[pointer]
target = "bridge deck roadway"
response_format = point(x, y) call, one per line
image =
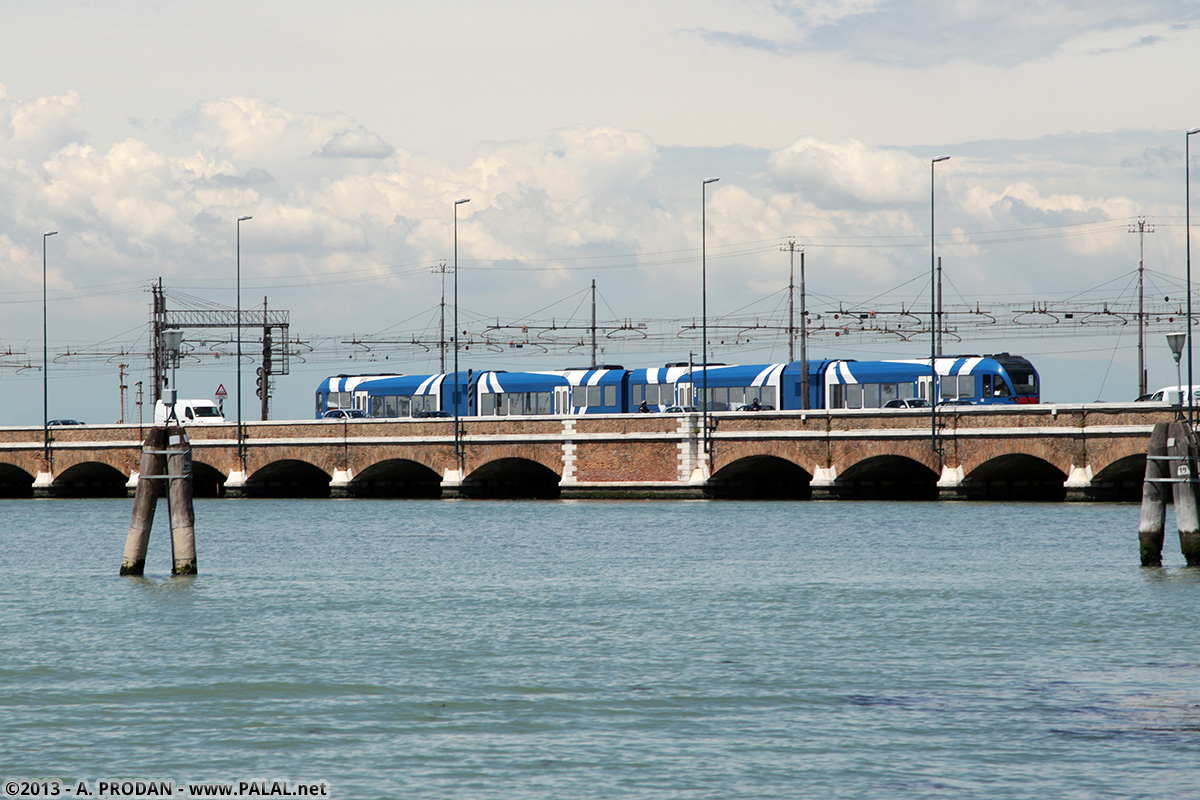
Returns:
point(1025, 452)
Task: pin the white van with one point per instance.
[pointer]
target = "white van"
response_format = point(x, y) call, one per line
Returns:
point(1173, 395)
point(190, 412)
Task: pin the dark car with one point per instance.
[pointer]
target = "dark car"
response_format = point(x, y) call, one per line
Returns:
point(427, 414)
point(343, 413)
point(907, 402)
point(958, 402)
point(756, 407)
point(54, 423)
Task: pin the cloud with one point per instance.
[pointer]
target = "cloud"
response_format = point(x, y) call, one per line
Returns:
point(848, 171)
point(44, 124)
point(356, 143)
point(923, 33)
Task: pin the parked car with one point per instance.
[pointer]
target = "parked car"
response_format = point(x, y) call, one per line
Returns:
point(681, 409)
point(343, 413)
point(907, 402)
point(756, 407)
point(54, 423)
point(958, 402)
point(427, 414)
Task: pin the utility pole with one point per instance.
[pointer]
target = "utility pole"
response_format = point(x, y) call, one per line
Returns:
point(1141, 229)
point(442, 269)
point(123, 387)
point(594, 361)
point(940, 314)
point(791, 248)
point(264, 389)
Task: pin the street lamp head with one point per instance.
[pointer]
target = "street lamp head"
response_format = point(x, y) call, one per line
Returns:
point(936, 159)
point(48, 233)
point(711, 180)
point(1175, 342)
point(1193, 130)
point(243, 219)
point(460, 202)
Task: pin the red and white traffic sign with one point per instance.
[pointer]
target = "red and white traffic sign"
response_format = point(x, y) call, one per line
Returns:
point(221, 393)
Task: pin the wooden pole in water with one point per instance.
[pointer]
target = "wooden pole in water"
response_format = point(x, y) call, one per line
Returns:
point(1189, 533)
point(144, 501)
point(1154, 498)
point(179, 502)
point(1183, 460)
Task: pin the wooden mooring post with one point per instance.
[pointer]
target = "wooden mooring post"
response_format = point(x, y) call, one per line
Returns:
point(166, 467)
point(1170, 460)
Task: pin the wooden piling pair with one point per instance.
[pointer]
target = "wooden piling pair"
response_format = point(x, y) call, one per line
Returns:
point(1170, 461)
point(166, 463)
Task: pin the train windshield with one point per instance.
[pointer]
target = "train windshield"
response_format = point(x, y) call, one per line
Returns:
point(1022, 374)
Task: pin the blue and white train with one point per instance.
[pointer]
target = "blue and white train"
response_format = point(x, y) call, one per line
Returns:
point(983, 380)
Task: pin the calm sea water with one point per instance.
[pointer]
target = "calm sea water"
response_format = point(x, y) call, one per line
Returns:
point(469, 649)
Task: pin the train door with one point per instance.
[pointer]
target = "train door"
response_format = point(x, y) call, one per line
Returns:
point(685, 394)
point(562, 400)
point(924, 392)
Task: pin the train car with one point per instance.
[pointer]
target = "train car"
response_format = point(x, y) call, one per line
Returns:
point(338, 392)
point(962, 380)
point(655, 387)
point(731, 387)
point(569, 392)
point(383, 396)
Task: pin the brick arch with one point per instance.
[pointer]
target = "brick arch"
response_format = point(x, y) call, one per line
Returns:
point(761, 477)
point(887, 476)
point(1120, 480)
point(972, 454)
point(287, 478)
point(512, 477)
point(121, 460)
point(396, 477)
point(89, 479)
point(1014, 476)
point(15, 481)
point(547, 455)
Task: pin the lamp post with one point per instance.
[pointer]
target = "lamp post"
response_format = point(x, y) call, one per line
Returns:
point(933, 393)
point(241, 452)
point(458, 453)
point(1187, 181)
point(172, 339)
point(1176, 341)
point(45, 361)
point(704, 399)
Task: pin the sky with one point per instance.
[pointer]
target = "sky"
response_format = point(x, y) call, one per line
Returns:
point(582, 133)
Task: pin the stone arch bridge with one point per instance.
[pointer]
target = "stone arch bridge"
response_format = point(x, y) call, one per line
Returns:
point(1044, 452)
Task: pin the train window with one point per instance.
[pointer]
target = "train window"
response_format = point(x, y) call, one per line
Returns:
point(767, 398)
point(887, 393)
point(870, 395)
point(545, 402)
point(593, 396)
point(578, 396)
point(906, 390)
point(610, 396)
point(854, 395)
point(1000, 388)
point(637, 393)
